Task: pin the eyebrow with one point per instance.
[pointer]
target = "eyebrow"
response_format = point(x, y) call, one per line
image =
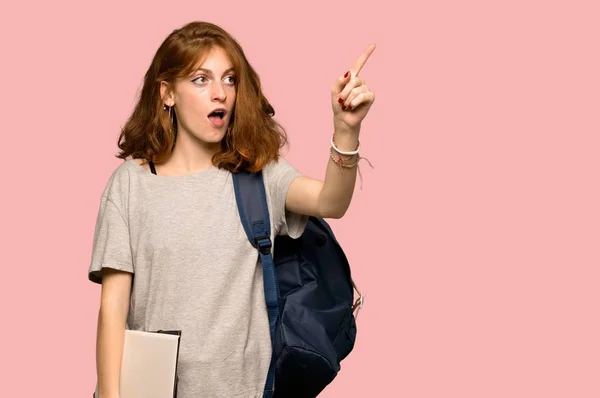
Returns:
point(209, 72)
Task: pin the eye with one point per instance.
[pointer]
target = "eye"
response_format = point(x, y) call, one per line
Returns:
point(232, 79)
point(198, 78)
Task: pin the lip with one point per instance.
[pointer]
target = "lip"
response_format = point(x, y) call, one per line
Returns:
point(219, 109)
point(217, 123)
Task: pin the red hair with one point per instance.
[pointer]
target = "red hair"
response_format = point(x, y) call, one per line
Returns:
point(254, 137)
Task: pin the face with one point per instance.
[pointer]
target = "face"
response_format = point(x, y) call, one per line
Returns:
point(211, 87)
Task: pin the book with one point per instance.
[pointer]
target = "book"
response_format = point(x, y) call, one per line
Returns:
point(149, 364)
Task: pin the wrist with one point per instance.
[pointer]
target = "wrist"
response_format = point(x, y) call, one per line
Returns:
point(346, 139)
point(342, 129)
point(345, 143)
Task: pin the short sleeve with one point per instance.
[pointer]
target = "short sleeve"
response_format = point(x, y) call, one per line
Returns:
point(111, 247)
point(280, 175)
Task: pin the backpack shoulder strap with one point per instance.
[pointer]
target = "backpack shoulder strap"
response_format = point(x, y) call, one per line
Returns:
point(253, 209)
point(254, 213)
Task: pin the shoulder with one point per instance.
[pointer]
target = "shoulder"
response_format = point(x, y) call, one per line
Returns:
point(278, 176)
point(140, 162)
point(117, 186)
point(279, 167)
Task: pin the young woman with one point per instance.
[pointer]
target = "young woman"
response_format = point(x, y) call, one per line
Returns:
point(169, 248)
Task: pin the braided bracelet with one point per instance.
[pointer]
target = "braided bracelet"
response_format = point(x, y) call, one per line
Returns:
point(340, 161)
point(350, 154)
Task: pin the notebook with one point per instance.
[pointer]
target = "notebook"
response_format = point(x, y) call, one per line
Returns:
point(149, 364)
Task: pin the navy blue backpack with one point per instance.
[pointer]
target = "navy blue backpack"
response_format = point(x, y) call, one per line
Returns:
point(309, 295)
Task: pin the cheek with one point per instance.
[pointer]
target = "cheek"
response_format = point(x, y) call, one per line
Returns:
point(194, 104)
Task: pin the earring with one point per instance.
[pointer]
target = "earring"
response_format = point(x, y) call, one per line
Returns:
point(170, 108)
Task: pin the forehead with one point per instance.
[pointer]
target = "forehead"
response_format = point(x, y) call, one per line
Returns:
point(216, 60)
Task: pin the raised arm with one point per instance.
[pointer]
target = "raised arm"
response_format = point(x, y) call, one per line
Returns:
point(351, 101)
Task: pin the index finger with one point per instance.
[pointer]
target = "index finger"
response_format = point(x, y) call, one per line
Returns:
point(362, 60)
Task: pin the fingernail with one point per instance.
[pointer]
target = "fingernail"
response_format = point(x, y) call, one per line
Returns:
point(346, 75)
point(340, 100)
point(349, 108)
point(343, 107)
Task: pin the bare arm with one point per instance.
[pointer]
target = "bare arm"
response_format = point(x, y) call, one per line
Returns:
point(351, 100)
point(112, 317)
point(330, 198)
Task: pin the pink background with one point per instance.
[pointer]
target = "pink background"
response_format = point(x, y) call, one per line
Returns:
point(475, 238)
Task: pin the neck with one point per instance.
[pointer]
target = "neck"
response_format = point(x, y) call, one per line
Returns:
point(190, 155)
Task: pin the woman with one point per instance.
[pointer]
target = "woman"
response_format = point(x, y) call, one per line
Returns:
point(168, 214)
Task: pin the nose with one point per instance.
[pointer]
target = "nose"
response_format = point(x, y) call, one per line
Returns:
point(218, 92)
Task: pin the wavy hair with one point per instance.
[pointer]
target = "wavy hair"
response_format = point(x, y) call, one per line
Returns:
point(254, 137)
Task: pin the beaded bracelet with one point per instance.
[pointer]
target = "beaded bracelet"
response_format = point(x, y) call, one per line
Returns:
point(350, 154)
point(340, 161)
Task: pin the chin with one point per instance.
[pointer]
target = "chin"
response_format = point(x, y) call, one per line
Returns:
point(211, 137)
point(214, 140)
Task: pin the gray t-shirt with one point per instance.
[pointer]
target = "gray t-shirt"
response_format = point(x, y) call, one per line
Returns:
point(194, 269)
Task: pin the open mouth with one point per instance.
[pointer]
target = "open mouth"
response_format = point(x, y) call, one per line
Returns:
point(220, 114)
point(217, 117)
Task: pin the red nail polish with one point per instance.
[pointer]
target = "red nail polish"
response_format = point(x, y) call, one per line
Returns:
point(343, 107)
point(340, 100)
point(346, 75)
point(349, 108)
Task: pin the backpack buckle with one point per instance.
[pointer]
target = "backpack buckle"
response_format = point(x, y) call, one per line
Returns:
point(264, 244)
point(358, 304)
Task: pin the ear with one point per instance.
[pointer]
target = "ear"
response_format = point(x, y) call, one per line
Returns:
point(166, 93)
